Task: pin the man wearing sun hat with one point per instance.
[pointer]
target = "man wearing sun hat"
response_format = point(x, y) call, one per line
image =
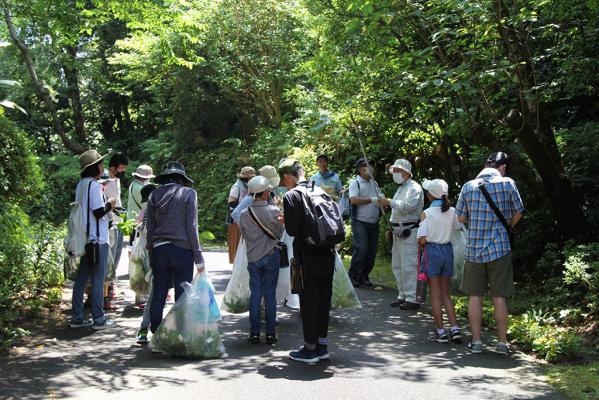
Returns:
point(141, 177)
point(406, 207)
point(237, 192)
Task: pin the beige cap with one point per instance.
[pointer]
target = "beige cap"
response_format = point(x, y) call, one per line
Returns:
point(89, 157)
point(258, 184)
point(270, 173)
point(144, 172)
point(247, 172)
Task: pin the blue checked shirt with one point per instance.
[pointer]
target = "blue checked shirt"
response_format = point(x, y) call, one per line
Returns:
point(487, 238)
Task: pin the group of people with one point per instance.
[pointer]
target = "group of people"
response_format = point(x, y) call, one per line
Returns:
point(262, 206)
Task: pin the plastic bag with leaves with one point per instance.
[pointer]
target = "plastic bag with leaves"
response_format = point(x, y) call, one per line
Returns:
point(344, 294)
point(458, 240)
point(190, 328)
point(237, 294)
point(139, 266)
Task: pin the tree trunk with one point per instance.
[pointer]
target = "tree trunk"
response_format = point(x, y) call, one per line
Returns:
point(72, 76)
point(41, 90)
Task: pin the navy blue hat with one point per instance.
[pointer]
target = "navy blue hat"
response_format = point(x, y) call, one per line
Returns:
point(172, 168)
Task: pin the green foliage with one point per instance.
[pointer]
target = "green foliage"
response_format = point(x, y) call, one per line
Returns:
point(536, 333)
point(19, 171)
point(30, 267)
point(577, 382)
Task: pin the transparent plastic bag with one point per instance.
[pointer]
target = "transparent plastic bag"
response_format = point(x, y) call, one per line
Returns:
point(458, 240)
point(139, 251)
point(237, 294)
point(344, 294)
point(71, 266)
point(139, 266)
point(190, 328)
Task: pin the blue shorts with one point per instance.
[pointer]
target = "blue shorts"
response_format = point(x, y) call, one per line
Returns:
point(440, 260)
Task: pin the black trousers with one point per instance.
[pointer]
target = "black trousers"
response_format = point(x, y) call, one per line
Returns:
point(315, 304)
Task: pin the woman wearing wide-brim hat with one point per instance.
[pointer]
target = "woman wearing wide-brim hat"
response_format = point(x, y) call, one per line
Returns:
point(95, 224)
point(238, 191)
point(172, 236)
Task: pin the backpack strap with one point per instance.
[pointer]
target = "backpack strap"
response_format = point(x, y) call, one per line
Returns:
point(254, 218)
point(497, 212)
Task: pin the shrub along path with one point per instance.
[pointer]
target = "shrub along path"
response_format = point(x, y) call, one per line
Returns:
point(377, 352)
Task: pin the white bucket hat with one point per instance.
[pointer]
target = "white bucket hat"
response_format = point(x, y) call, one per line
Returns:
point(403, 164)
point(258, 184)
point(144, 172)
point(437, 187)
point(270, 173)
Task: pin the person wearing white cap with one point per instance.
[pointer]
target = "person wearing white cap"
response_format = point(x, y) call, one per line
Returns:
point(261, 226)
point(141, 177)
point(438, 222)
point(406, 206)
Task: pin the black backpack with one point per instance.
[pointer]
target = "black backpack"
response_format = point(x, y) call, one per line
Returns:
point(323, 223)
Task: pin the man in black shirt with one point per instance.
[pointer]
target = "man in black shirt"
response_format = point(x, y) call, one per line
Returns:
point(318, 266)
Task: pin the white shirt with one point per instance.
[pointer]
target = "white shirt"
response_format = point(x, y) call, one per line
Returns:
point(407, 203)
point(95, 200)
point(438, 225)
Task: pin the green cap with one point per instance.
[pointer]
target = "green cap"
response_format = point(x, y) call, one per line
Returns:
point(286, 165)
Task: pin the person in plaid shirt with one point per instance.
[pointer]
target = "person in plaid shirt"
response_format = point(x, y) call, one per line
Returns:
point(488, 264)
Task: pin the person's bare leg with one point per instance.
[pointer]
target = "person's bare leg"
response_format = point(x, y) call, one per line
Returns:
point(436, 301)
point(447, 302)
point(501, 313)
point(475, 316)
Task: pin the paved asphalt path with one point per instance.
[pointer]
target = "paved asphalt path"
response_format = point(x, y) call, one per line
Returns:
point(377, 352)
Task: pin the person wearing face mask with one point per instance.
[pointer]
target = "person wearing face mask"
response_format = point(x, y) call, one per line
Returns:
point(366, 200)
point(406, 207)
point(117, 166)
point(238, 191)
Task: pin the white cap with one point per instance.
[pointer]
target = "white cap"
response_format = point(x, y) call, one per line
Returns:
point(270, 173)
point(258, 184)
point(403, 164)
point(437, 187)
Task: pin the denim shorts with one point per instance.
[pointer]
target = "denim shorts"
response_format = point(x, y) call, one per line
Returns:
point(437, 260)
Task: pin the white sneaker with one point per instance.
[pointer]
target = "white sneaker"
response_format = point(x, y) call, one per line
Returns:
point(107, 324)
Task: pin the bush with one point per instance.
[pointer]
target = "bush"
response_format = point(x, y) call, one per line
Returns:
point(30, 267)
point(547, 341)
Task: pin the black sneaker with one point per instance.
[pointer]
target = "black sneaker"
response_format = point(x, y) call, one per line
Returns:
point(438, 337)
point(322, 352)
point(408, 305)
point(254, 339)
point(456, 335)
point(355, 282)
point(303, 354)
point(397, 302)
point(366, 282)
point(272, 339)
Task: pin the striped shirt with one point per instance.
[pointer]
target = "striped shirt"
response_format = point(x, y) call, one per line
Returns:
point(488, 239)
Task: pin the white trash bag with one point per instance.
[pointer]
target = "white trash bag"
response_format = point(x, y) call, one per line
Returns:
point(237, 295)
point(458, 240)
point(190, 328)
point(344, 294)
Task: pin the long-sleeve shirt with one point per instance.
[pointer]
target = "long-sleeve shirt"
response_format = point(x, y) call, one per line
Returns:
point(407, 203)
point(257, 242)
point(172, 217)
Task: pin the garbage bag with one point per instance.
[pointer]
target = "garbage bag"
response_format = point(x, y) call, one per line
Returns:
point(237, 294)
point(139, 266)
point(190, 328)
point(70, 266)
point(458, 241)
point(344, 294)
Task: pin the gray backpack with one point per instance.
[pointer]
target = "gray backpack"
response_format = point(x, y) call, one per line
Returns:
point(324, 225)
